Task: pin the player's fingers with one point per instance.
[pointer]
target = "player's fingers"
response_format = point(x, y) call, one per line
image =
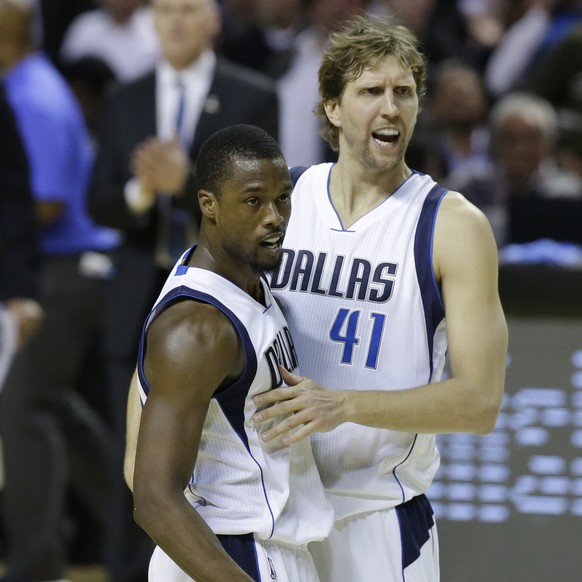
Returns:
point(290, 378)
point(300, 433)
point(294, 421)
point(272, 396)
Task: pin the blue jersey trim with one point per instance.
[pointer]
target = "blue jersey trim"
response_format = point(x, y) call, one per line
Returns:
point(242, 549)
point(401, 463)
point(415, 518)
point(296, 172)
point(434, 311)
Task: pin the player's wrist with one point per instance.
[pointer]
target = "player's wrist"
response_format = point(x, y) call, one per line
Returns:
point(349, 407)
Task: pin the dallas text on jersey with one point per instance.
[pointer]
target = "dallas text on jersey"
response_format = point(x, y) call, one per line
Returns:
point(302, 271)
point(281, 352)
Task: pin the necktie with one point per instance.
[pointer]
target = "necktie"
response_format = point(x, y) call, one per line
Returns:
point(180, 109)
point(175, 228)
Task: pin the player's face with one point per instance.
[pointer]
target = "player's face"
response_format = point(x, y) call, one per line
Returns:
point(376, 116)
point(185, 28)
point(254, 210)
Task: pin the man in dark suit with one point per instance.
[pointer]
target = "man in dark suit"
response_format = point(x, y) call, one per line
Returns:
point(142, 183)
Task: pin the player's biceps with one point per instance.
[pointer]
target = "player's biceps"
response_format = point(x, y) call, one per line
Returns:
point(465, 343)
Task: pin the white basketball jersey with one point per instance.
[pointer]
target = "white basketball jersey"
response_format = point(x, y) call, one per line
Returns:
point(366, 313)
point(241, 484)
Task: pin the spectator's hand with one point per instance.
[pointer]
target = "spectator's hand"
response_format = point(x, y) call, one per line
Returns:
point(311, 408)
point(161, 166)
point(28, 314)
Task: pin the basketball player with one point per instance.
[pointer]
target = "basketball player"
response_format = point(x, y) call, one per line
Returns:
point(375, 256)
point(221, 503)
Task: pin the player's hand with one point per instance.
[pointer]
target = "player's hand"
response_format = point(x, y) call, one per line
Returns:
point(309, 408)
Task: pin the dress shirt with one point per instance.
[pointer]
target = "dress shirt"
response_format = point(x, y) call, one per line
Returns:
point(197, 79)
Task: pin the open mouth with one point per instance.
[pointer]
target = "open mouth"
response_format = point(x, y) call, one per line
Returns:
point(273, 242)
point(386, 137)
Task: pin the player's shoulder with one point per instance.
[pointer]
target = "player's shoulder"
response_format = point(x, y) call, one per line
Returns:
point(189, 324)
point(192, 343)
point(296, 172)
point(457, 212)
point(463, 233)
point(308, 176)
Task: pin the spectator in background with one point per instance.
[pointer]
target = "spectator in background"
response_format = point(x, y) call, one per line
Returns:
point(120, 32)
point(19, 251)
point(443, 28)
point(483, 20)
point(540, 27)
point(48, 430)
point(90, 78)
point(455, 119)
point(151, 131)
point(558, 78)
point(260, 34)
point(56, 15)
point(523, 165)
point(297, 88)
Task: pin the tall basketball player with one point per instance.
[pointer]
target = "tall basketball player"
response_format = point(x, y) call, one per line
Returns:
point(383, 271)
point(220, 502)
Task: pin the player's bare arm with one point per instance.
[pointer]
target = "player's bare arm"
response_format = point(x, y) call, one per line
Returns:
point(192, 349)
point(466, 267)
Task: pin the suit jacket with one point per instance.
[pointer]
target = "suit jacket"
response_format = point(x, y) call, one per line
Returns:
point(236, 95)
point(19, 250)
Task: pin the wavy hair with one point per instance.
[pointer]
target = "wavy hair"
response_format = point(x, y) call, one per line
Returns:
point(362, 43)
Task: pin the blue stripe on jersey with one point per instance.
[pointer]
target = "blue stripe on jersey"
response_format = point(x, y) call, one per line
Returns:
point(241, 548)
point(296, 172)
point(402, 463)
point(423, 246)
point(415, 518)
point(230, 398)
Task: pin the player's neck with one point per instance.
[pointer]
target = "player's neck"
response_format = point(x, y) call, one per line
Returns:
point(355, 190)
point(241, 275)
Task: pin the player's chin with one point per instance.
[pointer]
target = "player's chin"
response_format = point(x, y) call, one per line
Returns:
point(267, 259)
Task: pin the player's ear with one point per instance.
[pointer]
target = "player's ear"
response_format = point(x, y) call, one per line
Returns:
point(332, 111)
point(208, 204)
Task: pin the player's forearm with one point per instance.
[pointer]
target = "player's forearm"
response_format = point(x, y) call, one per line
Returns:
point(469, 402)
point(176, 527)
point(450, 406)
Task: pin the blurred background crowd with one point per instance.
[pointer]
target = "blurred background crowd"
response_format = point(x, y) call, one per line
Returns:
point(95, 185)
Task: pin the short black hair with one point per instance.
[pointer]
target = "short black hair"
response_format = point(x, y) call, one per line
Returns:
point(214, 161)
